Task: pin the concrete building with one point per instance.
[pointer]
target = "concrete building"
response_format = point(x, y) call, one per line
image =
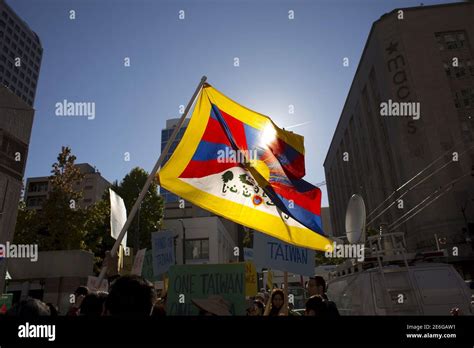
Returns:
point(92, 186)
point(52, 278)
point(16, 120)
point(208, 239)
point(413, 55)
point(20, 55)
point(165, 135)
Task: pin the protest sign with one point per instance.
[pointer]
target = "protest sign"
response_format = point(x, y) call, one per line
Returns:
point(162, 244)
point(248, 254)
point(250, 279)
point(188, 282)
point(273, 253)
point(147, 268)
point(138, 263)
point(93, 284)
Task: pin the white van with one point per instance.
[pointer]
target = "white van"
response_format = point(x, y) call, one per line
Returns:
point(435, 289)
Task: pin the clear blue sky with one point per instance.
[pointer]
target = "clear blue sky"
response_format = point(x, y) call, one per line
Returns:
point(282, 62)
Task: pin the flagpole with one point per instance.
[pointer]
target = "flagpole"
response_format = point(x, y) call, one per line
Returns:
point(150, 179)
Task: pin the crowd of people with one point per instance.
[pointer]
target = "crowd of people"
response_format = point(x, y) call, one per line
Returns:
point(135, 297)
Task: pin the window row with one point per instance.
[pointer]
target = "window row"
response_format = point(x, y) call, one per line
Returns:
point(464, 98)
point(464, 68)
point(21, 32)
point(452, 40)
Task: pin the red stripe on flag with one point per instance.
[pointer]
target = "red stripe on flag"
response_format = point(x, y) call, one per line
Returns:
point(199, 169)
point(214, 133)
point(309, 200)
point(237, 130)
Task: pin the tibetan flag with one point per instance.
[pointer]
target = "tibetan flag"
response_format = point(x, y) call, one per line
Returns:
point(238, 164)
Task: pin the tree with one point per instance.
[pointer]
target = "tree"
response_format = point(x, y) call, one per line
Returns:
point(63, 218)
point(149, 217)
point(27, 226)
point(61, 224)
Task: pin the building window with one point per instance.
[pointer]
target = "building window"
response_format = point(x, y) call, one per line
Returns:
point(38, 186)
point(35, 201)
point(451, 40)
point(197, 249)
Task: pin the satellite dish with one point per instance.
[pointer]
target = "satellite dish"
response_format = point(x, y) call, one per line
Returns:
point(355, 220)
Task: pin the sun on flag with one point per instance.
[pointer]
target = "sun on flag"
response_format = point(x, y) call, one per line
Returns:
point(238, 164)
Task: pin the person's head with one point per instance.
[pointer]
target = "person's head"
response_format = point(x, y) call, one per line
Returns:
point(29, 309)
point(81, 290)
point(93, 304)
point(260, 297)
point(316, 306)
point(130, 296)
point(256, 309)
point(278, 298)
point(316, 286)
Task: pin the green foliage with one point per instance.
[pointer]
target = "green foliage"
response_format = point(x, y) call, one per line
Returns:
point(62, 225)
point(321, 259)
point(149, 218)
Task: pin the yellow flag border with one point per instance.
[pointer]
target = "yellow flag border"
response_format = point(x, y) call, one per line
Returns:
point(261, 221)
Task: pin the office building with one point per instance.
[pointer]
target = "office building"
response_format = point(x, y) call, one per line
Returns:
point(20, 55)
point(16, 122)
point(171, 124)
point(420, 57)
point(92, 186)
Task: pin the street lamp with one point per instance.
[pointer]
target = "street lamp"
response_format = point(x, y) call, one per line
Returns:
point(184, 241)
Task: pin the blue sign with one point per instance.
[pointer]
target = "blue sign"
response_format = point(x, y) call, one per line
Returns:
point(248, 254)
point(162, 246)
point(273, 253)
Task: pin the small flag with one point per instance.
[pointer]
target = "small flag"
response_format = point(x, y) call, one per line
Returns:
point(238, 164)
point(118, 216)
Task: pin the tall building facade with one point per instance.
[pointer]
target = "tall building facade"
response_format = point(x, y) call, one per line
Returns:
point(171, 124)
point(414, 57)
point(20, 61)
point(20, 55)
point(16, 121)
point(92, 186)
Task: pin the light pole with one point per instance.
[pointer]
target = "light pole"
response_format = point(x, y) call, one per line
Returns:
point(184, 241)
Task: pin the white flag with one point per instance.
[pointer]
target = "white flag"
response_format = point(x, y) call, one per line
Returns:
point(118, 216)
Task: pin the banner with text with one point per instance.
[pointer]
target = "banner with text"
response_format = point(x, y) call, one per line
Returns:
point(162, 245)
point(273, 253)
point(188, 282)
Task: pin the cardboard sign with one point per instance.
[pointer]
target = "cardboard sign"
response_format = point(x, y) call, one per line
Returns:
point(162, 244)
point(278, 255)
point(187, 282)
point(93, 284)
point(138, 262)
point(147, 268)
